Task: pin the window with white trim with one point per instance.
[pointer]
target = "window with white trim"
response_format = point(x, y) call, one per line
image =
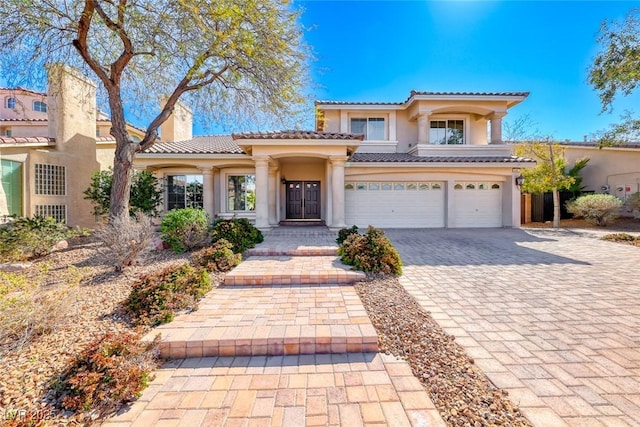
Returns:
point(50, 180)
point(241, 193)
point(11, 103)
point(372, 127)
point(446, 132)
point(184, 191)
point(40, 106)
point(57, 212)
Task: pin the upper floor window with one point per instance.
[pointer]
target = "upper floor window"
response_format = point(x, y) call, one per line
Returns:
point(372, 127)
point(40, 106)
point(446, 132)
point(11, 103)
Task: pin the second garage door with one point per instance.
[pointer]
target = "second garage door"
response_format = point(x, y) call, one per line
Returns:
point(477, 204)
point(395, 204)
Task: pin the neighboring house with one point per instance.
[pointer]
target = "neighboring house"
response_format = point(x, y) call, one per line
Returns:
point(428, 161)
point(613, 170)
point(50, 144)
point(423, 162)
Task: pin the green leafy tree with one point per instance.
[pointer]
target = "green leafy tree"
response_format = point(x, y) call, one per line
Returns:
point(146, 193)
point(574, 172)
point(549, 173)
point(232, 60)
point(615, 70)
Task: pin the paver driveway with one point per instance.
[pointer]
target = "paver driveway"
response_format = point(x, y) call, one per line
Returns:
point(553, 317)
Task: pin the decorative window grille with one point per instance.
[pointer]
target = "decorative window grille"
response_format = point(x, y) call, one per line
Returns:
point(57, 212)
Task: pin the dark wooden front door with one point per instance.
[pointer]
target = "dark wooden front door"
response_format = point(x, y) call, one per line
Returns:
point(303, 199)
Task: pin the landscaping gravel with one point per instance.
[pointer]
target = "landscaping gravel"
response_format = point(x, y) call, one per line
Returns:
point(461, 392)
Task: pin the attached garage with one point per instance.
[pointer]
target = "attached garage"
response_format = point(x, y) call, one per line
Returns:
point(395, 204)
point(477, 204)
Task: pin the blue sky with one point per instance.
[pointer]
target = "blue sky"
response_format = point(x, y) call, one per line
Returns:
point(380, 50)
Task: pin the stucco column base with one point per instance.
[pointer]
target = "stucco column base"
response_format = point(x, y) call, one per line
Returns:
point(337, 193)
point(262, 193)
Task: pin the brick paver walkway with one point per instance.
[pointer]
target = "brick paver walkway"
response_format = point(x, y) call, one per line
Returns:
point(292, 345)
point(553, 317)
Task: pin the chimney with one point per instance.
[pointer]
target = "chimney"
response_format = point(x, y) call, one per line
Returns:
point(71, 106)
point(585, 138)
point(179, 125)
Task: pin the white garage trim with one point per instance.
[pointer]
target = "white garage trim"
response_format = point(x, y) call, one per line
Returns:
point(477, 204)
point(406, 204)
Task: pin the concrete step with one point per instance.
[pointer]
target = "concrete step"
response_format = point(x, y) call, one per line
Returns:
point(297, 251)
point(271, 321)
point(291, 270)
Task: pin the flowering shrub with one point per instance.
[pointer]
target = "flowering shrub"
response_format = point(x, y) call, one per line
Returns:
point(371, 252)
point(598, 209)
point(112, 370)
point(239, 232)
point(185, 229)
point(346, 232)
point(217, 257)
point(155, 297)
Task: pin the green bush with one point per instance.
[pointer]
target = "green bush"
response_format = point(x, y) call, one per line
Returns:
point(217, 257)
point(346, 232)
point(112, 370)
point(145, 195)
point(155, 297)
point(597, 209)
point(371, 252)
point(239, 232)
point(185, 229)
point(26, 238)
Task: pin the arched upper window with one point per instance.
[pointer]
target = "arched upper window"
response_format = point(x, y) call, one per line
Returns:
point(11, 103)
point(40, 106)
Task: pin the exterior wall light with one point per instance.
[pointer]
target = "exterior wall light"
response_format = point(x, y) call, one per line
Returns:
point(519, 180)
point(283, 180)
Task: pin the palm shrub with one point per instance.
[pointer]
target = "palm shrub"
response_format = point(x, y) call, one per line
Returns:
point(185, 229)
point(217, 257)
point(598, 209)
point(156, 297)
point(239, 232)
point(371, 252)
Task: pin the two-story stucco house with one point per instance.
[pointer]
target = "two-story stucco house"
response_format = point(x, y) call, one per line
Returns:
point(428, 161)
point(433, 160)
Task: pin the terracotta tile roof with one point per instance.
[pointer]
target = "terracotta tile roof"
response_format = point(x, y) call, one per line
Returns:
point(409, 158)
point(297, 134)
point(213, 144)
point(21, 89)
point(107, 138)
point(27, 140)
point(426, 93)
point(596, 145)
point(22, 120)
point(355, 103)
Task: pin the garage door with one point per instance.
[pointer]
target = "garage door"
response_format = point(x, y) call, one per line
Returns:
point(477, 204)
point(395, 204)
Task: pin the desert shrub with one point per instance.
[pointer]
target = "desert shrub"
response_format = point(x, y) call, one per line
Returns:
point(28, 311)
point(26, 238)
point(598, 209)
point(346, 232)
point(371, 252)
point(185, 229)
point(125, 239)
point(239, 232)
point(619, 237)
point(155, 297)
point(112, 370)
point(634, 202)
point(217, 257)
point(145, 196)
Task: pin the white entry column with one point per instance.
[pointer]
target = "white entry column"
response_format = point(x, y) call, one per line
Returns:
point(337, 189)
point(496, 127)
point(207, 191)
point(262, 191)
point(273, 195)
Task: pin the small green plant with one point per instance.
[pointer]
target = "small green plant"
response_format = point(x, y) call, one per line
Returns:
point(185, 229)
point(239, 232)
point(217, 257)
point(145, 195)
point(112, 370)
point(125, 239)
point(371, 252)
point(346, 232)
point(599, 209)
point(26, 238)
point(156, 297)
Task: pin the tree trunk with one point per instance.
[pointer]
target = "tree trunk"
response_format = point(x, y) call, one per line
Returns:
point(123, 160)
point(556, 208)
